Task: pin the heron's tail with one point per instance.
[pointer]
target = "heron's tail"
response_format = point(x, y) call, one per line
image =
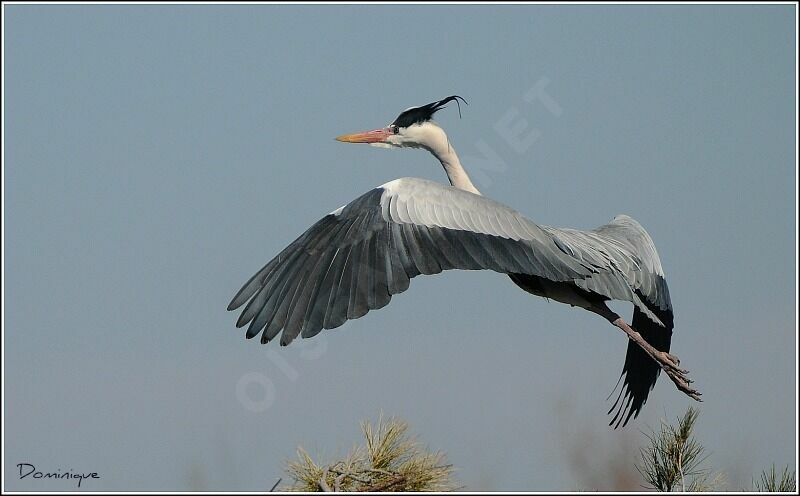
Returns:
point(640, 371)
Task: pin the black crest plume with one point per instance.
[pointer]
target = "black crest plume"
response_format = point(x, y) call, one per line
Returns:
point(418, 115)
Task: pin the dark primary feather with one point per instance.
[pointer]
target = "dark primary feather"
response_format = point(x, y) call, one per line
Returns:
point(418, 115)
point(347, 264)
point(640, 372)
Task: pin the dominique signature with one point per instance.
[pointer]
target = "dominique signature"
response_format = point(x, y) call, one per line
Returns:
point(29, 470)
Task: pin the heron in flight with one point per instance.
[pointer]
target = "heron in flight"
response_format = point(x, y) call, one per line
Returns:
point(355, 258)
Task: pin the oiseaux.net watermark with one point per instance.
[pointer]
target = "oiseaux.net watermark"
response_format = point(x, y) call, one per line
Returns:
point(256, 391)
point(513, 132)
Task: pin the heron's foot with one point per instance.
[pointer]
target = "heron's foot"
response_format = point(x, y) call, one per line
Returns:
point(667, 360)
point(669, 363)
point(672, 358)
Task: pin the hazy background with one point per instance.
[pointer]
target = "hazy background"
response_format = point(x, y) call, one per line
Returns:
point(157, 156)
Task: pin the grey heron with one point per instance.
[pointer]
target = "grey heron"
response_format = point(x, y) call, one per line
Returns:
point(355, 258)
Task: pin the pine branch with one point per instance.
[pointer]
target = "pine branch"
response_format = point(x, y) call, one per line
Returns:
point(390, 460)
point(771, 483)
point(673, 458)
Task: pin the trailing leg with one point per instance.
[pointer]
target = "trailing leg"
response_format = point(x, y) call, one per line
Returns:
point(668, 363)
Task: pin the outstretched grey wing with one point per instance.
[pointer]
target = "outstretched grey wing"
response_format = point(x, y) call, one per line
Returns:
point(625, 245)
point(354, 259)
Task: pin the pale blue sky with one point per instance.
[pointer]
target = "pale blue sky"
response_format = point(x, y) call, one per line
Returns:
point(156, 156)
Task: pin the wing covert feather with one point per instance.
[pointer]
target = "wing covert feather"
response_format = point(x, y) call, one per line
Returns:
point(354, 259)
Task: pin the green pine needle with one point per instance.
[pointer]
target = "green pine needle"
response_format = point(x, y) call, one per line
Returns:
point(390, 460)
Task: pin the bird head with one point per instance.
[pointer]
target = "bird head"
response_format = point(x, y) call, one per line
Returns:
point(412, 128)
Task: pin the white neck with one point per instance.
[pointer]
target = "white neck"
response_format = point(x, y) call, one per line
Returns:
point(431, 137)
point(452, 166)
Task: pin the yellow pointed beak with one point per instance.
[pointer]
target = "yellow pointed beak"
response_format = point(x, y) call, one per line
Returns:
point(374, 136)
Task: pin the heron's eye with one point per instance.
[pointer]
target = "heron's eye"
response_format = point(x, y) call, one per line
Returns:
point(395, 129)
